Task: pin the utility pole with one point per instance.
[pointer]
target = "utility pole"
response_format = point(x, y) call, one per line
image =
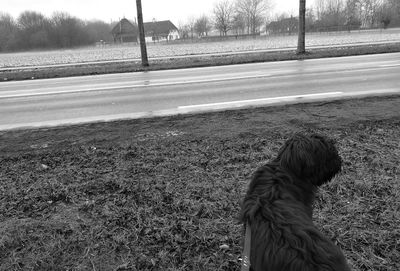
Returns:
point(142, 40)
point(301, 44)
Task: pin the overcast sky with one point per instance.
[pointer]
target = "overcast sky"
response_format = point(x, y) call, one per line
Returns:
point(178, 11)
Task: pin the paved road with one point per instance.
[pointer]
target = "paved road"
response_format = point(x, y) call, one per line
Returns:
point(131, 95)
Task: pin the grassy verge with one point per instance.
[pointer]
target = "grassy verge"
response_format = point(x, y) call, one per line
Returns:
point(203, 61)
point(164, 193)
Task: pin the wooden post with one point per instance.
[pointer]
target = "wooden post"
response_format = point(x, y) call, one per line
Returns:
point(142, 40)
point(301, 44)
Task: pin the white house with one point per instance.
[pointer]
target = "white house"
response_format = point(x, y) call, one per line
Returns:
point(160, 31)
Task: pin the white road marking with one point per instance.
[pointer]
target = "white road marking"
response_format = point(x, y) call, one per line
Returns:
point(286, 99)
point(259, 101)
point(389, 65)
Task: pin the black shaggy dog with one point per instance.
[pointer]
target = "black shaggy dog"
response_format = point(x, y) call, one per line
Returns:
point(278, 208)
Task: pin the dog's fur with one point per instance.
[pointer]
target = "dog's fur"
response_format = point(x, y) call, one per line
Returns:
point(278, 208)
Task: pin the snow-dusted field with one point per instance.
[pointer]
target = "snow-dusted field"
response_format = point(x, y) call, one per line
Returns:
point(132, 51)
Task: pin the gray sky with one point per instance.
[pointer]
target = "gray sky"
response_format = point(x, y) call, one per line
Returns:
point(175, 10)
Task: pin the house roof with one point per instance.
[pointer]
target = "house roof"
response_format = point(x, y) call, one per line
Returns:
point(124, 27)
point(151, 28)
point(159, 28)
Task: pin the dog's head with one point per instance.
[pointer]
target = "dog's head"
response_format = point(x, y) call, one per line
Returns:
point(310, 157)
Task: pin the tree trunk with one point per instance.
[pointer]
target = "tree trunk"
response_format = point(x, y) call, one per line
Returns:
point(142, 40)
point(301, 44)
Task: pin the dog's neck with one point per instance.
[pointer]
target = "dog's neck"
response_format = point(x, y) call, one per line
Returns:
point(307, 195)
point(266, 184)
point(308, 189)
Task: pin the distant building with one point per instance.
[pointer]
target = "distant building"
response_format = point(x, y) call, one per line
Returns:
point(160, 31)
point(126, 31)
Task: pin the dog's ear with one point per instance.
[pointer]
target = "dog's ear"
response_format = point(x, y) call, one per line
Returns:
point(313, 158)
point(297, 155)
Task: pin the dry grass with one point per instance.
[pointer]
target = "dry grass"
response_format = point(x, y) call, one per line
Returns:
point(164, 193)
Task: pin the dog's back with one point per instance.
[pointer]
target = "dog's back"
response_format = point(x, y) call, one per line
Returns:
point(283, 234)
point(278, 209)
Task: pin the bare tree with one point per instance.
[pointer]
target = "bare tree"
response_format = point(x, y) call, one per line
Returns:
point(330, 10)
point(395, 11)
point(353, 20)
point(253, 12)
point(238, 24)
point(66, 31)
point(143, 50)
point(389, 13)
point(33, 26)
point(190, 25)
point(31, 20)
point(370, 10)
point(301, 44)
point(223, 16)
point(98, 31)
point(8, 27)
point(202, 26)
point(368, 13)
point(319, 6)
point(183, 30)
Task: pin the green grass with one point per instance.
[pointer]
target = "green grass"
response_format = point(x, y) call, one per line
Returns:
point(164, 193)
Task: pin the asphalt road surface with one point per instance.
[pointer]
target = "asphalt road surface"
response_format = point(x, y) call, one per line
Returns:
point(50, 102)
